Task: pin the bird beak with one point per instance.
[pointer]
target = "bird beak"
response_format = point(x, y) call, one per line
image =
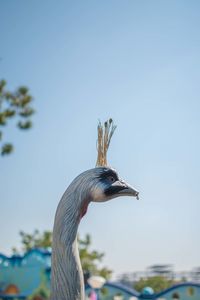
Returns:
point(121, 188)
point(127, 190)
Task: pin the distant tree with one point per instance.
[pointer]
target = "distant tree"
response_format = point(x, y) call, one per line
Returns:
point(157, 283)
point(34, 240)
point(14, 105)
point(126, 279)
point(90, 259)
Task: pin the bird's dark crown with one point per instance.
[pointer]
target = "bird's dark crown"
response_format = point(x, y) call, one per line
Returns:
point(108, 173)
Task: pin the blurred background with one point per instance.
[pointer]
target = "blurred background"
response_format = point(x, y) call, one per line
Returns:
point(137, 62)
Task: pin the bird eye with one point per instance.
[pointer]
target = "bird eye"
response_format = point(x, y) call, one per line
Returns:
point(111, 178)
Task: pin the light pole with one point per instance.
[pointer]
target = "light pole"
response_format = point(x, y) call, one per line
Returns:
point(96, 283)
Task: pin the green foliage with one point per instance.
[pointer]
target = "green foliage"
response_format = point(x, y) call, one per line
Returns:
point(104, 291)
point(6, 149)
point(90, 259)
point(35, 240)
point(157, 283)
point(14, 105)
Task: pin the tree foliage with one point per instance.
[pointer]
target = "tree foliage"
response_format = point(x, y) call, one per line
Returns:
point(157, 283)
point(90, 259)
point(14, 105)
point(34, 240)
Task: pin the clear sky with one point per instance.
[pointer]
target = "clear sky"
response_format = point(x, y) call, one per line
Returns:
point(137, 62)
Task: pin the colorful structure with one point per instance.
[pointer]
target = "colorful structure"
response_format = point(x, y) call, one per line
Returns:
point(20, 276)
point(184, 291)
point(24, 274)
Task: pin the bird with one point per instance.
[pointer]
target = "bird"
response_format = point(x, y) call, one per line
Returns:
point(99, 184)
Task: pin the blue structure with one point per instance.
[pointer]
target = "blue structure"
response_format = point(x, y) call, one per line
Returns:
point(184, 291)
point(114, 289)
point(27, 272)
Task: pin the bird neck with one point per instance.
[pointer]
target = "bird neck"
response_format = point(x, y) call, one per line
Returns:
point(66, 276)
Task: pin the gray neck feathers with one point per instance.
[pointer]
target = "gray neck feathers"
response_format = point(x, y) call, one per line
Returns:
point(66, 275)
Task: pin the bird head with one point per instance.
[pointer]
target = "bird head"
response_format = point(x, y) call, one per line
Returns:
point(99, 184)
point(107, 185)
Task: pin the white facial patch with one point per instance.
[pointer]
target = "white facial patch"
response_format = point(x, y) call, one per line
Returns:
point(97, 193)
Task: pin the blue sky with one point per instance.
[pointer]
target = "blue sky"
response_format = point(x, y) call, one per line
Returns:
point(137, 62)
